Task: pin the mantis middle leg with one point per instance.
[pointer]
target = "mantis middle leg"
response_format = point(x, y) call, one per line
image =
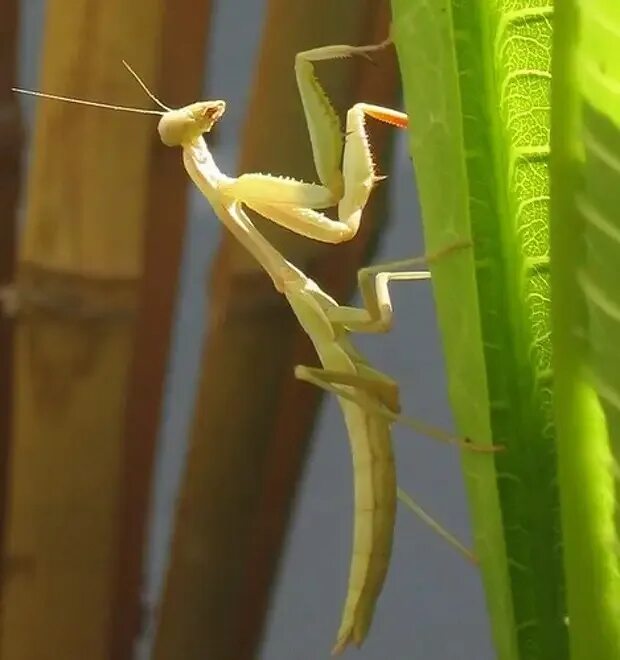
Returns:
point(376, 315)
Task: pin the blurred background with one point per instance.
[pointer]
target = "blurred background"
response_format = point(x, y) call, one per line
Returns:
point(168, 489)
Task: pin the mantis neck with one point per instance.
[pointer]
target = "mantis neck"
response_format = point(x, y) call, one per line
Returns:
point(207, 176)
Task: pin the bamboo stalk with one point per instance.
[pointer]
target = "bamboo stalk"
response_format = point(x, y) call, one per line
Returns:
point(182, 63)
point(79, 263)
point(252, 419)
point(11, 138)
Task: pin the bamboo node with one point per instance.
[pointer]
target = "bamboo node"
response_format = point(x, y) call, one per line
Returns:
point(18, 301)
point(8, 301)
point(18, 564)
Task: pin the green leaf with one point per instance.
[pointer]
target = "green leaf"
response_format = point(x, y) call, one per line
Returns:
point(585, 242)
point(476, 76)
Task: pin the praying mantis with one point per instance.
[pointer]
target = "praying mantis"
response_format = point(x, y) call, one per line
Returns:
point(368, 398)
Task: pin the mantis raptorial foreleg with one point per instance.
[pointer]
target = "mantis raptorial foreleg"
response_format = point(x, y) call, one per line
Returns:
point(368, 399)
point(343, 161)
point(344, 166)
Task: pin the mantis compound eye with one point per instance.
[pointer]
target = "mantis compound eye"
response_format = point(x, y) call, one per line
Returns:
point(178, 127)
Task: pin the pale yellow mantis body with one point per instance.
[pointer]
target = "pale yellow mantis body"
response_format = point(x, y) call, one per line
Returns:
point(368, 398)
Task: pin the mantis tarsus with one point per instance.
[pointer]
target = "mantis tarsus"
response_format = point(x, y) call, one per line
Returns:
point(368, 398)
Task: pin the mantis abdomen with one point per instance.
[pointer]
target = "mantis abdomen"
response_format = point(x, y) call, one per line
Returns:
point(375, 512)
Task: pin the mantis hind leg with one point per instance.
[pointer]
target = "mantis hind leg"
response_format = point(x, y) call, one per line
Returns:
point(426, 518)
point(370, 381)
point(363, 390)
point(335, 383)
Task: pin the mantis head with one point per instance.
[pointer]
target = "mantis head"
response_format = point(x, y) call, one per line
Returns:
point(178, 127)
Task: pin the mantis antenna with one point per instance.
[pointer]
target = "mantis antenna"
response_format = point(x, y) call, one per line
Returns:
point(145, 88)
point(93, 104)
point(108, 106)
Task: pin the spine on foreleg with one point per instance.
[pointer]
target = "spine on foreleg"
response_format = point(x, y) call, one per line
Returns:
point(375, 511)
